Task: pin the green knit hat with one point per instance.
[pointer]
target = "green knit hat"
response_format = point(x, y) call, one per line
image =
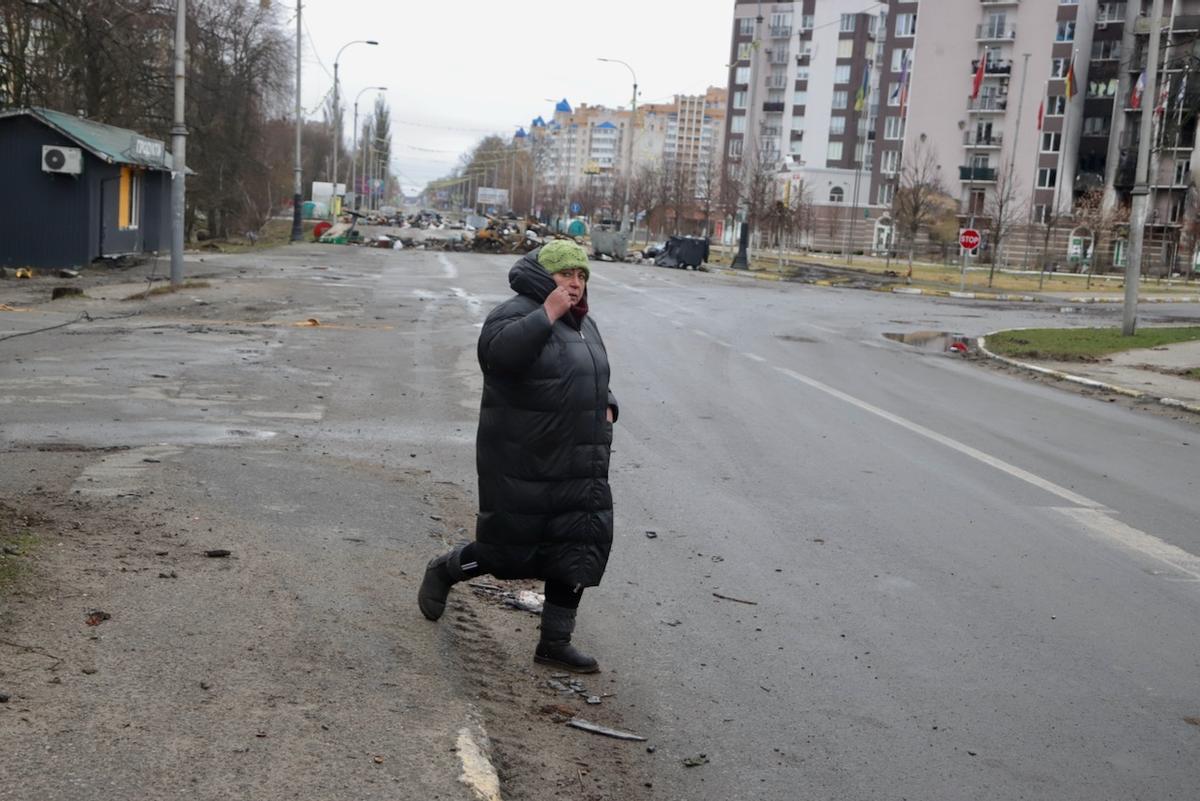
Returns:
point(563, 254)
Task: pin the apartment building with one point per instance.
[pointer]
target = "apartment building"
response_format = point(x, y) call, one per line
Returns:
point(586, 147)
point(804, 99)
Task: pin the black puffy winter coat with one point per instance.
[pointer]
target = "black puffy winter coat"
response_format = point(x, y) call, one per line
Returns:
point(542, 450)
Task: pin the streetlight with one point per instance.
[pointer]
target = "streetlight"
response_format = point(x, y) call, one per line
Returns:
point(337, 111)
point(632, 122)
point(354, 161)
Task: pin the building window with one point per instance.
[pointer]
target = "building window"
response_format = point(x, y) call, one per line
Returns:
point(837, 125)
point(889, 162)
point(847, 25)
point(845, 48)
point(1095, 126)
point(840, 98)
point(802, 72)
point(1051, 142)
point(886, 193)
point(841, 73)
point(746, 26)
point(1183, 174)
point(893, 128)
point(780, 20)
point(837, 195)
point(1175, 214)
point(1047, 178)
point(1106, 50)
point(735, 148)
point(800, 98)
point(1066, 31)
point(806, 22)
point(744, 51)
point(129, 198)
point(1040, 212)
point(739, 99)
point(741, 76)
point(906, 24)
point(1058, 67)
point(737, 124)
point(901, 56)
point(834, 152)
point(1055, 105)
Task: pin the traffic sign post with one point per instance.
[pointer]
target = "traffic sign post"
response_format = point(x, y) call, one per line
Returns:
point(968, 240)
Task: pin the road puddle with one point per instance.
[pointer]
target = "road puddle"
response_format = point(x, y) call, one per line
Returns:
point(934, 341)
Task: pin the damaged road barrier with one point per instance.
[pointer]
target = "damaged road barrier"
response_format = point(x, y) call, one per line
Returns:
point(596, 728)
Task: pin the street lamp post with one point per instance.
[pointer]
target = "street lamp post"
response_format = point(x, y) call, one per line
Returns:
point(337, 110)
point(354, 159)
point(629, 162)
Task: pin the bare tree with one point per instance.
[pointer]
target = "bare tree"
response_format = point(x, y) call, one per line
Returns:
point(1003, 209)
point(920, 197)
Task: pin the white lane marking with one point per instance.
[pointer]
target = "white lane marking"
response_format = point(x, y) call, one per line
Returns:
point(1114, 532)
point(723, 343)
point(819, 328)
point(448, 266)
point(474, 303)
point(953, 444)
point(477, 771)
point(754, 357)
point(659, 299)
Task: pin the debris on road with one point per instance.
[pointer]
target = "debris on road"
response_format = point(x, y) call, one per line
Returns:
point(735, 600)
point(696, 761)
point(97, 616)
point(596, 728)
point(651, 535)
point(217, 553)
point(525, 600)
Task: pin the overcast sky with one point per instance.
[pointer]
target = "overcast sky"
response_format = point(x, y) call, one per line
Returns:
point(457, 70)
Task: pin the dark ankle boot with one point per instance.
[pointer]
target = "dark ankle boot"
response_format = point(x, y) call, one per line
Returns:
point(554, 648)
point(441, 573)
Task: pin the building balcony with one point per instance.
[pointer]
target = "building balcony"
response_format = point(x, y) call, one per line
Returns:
point(995, 33)
point(976, 141)
point(994, 67)
point(777, 81)
point(781, 31)
point(1000, 2)
point(1183, 23)
point(988, 105)
point(977, 175)
point(775, 108)
point(777, 56)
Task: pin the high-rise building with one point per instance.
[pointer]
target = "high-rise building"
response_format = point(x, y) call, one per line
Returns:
point(1026, 107)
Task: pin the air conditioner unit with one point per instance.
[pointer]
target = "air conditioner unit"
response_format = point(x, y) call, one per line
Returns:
point(62, 159)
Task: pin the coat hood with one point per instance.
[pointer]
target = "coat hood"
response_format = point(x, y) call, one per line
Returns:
point(528, 277)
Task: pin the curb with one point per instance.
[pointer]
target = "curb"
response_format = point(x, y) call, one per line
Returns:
point(759, 275)
point(1087, 382)
point(1101, 299)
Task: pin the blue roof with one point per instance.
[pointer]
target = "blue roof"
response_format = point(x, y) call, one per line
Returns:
point(606, 125)
point(538, 122)
point(563, 105)
point(520, 134)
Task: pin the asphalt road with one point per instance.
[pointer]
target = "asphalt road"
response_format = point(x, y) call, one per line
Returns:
point(876, 571)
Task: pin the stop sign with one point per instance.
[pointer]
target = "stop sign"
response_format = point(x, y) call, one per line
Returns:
point(968, 239)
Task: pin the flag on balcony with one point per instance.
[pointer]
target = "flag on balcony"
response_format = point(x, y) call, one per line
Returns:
point(898, 96)
point(979, 72)
point(1041, 113)
point(1164, 95)
point(1139, 88)
point(1069, 81)
point(860, 100)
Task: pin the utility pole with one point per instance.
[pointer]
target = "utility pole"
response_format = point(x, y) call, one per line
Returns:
point(178, 147)
point(297, 188)
point(1137, 215)
point(337, 110)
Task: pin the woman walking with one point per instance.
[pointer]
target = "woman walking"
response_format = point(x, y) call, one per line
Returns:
point(542, 450)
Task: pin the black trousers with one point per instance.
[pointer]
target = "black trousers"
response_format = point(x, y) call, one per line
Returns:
point(557, 593)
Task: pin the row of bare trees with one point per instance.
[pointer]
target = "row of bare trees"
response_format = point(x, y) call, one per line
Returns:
point(112, 61)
